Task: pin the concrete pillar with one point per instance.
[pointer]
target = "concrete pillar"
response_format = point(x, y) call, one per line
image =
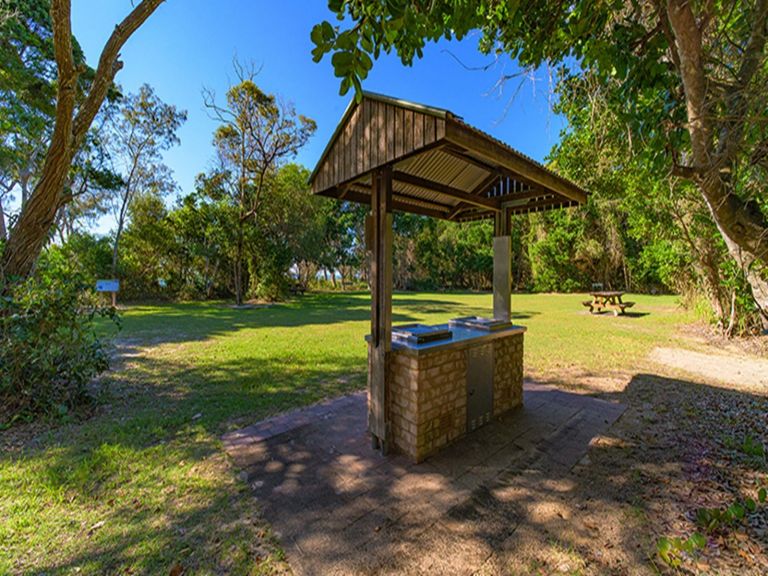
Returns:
point(502, 268)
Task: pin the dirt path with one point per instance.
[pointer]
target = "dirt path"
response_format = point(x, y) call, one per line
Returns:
point(694, 437)
point(743, 372)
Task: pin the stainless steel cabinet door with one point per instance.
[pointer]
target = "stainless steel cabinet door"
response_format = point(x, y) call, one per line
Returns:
point(479, 386)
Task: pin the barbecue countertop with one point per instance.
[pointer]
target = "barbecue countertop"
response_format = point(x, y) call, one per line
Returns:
point(461, 337)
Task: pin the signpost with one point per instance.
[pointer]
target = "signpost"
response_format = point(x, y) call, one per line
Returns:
point(112, 285)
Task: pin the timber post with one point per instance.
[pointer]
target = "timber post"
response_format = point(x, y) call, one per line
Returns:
point(381, 304)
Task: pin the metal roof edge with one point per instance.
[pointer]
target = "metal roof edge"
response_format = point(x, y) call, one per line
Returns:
point(519, 154)
point(409, 104)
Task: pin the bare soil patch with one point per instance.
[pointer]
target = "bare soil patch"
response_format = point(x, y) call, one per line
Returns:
point(741, 371)
point(693, 437)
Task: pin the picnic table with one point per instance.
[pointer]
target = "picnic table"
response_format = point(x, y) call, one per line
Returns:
point(607, 300)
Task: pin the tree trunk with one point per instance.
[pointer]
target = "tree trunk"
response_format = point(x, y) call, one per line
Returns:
point(115, 248)
point(120, 225)
point(742, 225)
point(30, 233)
point(239, 265)
point(3, 230)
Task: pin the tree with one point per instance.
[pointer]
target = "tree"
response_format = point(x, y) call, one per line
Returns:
point(74, 113)
point(201, 229)
point(343, 225)
point(141, 130)
point(27, 95)
point(148, 245)
point(688, 79)
point(257, 133)
point(92, 182)
point(293, 229)
point(663, 220)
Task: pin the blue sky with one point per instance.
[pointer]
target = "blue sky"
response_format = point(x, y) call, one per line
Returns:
point(188, 44)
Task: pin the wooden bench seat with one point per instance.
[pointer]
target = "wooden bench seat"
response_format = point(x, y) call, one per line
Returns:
point(616, 307)
point(619, 307)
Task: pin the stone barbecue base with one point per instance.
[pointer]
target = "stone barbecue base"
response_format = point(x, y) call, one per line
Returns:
point(429, 390)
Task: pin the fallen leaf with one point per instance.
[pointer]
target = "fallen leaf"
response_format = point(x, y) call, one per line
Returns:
point(95, 527)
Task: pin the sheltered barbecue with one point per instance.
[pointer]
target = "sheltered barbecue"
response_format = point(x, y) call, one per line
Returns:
point(395, 155)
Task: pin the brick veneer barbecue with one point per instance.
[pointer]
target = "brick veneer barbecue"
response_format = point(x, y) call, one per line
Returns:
point(427, 398)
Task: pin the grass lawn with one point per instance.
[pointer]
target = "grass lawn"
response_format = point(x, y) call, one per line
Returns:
point(141, 485)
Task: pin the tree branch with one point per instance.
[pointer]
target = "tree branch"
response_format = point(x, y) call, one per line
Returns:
point(109, 65)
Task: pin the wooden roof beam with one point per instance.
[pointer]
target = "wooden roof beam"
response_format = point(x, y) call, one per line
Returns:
point(510, 199)
point(399, 205)
point(431, 204)
point(478, 190)
point(445, 190)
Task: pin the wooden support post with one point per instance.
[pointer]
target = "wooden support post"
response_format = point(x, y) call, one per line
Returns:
point(381, 305)
point(502, 267)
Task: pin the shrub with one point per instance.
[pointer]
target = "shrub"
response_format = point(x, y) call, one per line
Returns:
point(49, 348)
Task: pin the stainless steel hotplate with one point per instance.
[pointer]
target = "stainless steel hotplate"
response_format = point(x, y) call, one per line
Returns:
point(480, 323)
point(420, 333)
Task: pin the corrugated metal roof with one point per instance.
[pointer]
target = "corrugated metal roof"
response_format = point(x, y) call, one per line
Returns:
point(444, 180)
point(513, 151)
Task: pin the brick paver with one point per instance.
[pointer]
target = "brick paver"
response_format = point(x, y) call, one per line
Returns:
point(341, 508)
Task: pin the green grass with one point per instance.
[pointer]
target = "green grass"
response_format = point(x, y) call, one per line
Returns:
point(143, 485)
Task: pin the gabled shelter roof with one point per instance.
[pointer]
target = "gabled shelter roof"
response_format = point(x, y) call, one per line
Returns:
point(442, 166)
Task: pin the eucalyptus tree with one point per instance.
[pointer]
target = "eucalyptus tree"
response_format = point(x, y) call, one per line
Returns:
point(90, 187)
point(27, 97)
point(75, 106)
point(687, 78)
point(142, 129)
point(257, 133)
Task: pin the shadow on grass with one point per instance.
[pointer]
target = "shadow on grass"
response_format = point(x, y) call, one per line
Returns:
point(142, 472)
point(521, 516)
point(608, 313)
point(182, 322)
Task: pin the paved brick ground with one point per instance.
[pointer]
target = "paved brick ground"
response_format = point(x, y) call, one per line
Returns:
point(341, 508)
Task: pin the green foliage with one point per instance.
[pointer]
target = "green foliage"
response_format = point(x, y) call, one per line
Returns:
point(552, 248)
point(49, 350)
point(93, 255)
point(148, 249)
point(752, 447)
point(674, 550)
point(28, 88)
point(141, 130)
point(257, 134)
point(619, 83)
point(714, 520)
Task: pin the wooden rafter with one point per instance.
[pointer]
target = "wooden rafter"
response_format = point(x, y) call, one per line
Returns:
point(477, 191)
point(397, 205)
point(445, 190)
point(549, 202)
